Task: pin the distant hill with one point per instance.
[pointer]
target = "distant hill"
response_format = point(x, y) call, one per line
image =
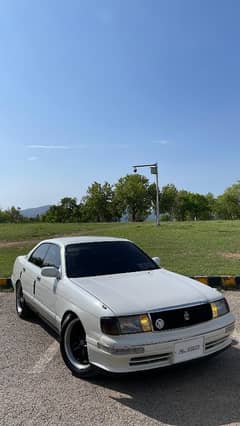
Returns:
point(35, 211)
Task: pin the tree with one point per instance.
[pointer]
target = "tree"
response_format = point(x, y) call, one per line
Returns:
point(199, 207)
point(168, 199)
point(66, 211)
point(211, 204)
point(52, 215)
point(183, 205)
point(13, 215)
point(69, 209)
point(190, 206)
point(99, 204)
point(132, 196)
point(2, 216)
point(228, 204)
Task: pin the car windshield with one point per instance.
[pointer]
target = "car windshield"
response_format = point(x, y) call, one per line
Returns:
point(106, 258)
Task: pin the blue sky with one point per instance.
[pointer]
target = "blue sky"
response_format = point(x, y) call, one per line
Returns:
point(88, 88)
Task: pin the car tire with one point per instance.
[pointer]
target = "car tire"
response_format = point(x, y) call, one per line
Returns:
point(22, 309)
point(73, 346)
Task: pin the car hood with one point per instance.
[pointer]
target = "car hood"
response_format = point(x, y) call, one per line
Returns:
point(139, 292)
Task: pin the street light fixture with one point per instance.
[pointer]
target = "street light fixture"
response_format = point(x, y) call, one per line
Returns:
point(154, 171)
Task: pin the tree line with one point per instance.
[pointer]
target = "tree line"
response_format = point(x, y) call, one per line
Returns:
point(134, 199)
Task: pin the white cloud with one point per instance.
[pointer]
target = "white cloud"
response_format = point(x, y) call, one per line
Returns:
point(32, 158)
point(79, 146)
point(161, 142)
point(101, 145)
point(48, 146)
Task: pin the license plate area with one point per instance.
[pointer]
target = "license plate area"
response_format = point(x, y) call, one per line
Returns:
point(188, 349)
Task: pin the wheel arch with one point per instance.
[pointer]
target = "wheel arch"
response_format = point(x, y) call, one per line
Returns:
point(80, 368)
point(70, 314)
point(18, 281)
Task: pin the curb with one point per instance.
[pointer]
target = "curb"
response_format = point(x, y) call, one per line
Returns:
point(6, 284)
point(225, 282)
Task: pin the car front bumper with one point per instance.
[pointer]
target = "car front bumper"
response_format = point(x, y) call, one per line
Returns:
point(145, 351)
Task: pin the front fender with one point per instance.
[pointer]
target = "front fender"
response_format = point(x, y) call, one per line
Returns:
point(17, 269)
point(86, 307)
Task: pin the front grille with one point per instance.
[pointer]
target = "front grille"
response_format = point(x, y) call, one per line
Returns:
point(181, 317)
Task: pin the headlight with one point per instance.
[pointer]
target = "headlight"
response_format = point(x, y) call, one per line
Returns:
point(219, 308)
point(126, 325)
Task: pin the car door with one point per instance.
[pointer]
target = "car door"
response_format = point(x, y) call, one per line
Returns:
point(45, 289)
point(32, 270)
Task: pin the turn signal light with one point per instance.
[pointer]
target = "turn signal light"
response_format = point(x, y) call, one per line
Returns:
point(145, 323)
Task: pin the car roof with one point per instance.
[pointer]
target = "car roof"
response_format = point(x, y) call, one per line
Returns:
point(63, 241)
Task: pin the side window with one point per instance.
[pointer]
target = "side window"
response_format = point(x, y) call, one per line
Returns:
point(38, 255)
point(52, 257)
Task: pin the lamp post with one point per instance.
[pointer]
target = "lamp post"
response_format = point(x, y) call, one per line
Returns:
point(154, 171)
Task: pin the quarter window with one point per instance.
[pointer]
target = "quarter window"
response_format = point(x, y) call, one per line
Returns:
point(38, 255)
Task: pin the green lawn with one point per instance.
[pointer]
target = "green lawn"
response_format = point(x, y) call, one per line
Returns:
point(191, 248)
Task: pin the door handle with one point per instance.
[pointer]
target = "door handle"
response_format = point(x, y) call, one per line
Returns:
point(38, 278)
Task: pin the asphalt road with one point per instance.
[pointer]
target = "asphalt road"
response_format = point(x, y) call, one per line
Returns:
point(37, 389)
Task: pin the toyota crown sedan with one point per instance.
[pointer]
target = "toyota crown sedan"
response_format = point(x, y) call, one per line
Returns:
point(115, 309)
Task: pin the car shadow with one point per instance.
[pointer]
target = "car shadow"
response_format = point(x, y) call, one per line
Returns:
point(205, 392)
point(36, 319)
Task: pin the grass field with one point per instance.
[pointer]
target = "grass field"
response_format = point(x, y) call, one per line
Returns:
point(191, 248)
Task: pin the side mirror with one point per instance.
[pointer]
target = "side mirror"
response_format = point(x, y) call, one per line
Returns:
point(156, 260)
point(50, 272)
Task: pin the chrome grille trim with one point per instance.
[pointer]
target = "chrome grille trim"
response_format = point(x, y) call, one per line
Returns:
point(184, 305)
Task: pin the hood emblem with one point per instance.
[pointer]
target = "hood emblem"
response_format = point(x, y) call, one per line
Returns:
point(159, 323)
point(186, 316)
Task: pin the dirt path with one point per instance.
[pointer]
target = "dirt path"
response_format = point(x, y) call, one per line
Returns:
point(21, 243)
point(33, 241)
point(231, 255)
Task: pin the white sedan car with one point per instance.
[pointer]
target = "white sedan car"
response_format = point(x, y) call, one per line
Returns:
point(116, 309)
